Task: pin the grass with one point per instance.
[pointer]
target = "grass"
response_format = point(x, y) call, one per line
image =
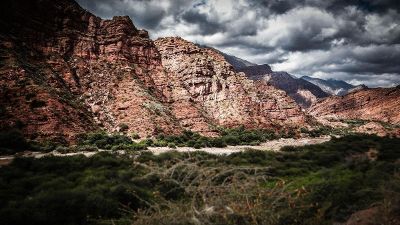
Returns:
point(316, 184)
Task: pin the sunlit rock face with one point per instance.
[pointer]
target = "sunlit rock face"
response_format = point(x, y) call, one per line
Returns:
point(377, 104)
point(224, 96)
point(65, 71)
point(303, 92)
point(90, 73)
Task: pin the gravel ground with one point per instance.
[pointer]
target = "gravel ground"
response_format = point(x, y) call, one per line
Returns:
point(273, 145)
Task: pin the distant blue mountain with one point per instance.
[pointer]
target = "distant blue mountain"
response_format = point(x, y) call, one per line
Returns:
point(332, 86)
point(302, 91)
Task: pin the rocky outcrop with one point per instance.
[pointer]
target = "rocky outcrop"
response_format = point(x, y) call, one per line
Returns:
point(303, 92)
point(65, 71)
point(224, 97)
point(90, 73)
point(256, 72)
point(377, 104)
point(376, 128)
point(236, 62)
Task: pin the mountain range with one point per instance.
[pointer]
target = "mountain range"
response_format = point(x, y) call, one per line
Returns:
point(305, 90)
point(377, 104)
point(65, 71)
point(332, 86)
point(302, 91)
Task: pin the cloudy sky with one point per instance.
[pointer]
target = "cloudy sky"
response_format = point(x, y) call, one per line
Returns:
point(353, 40)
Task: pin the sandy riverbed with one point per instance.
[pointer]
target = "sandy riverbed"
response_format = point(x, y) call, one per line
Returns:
point(273, 145)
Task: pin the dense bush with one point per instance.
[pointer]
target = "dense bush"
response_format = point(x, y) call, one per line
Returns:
point(132, 146)
point(103, 140)
point(171, 145)
point(135, 136)
point(232, 136)
point(69, 190)
point(76, 148)
point(12, 141)
point(123, 127)
point(316, 184)
point(319, 131)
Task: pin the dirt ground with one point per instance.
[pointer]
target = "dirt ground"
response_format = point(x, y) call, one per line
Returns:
point(273, 145)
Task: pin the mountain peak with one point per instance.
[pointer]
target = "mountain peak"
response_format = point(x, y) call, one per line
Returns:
point(331, 86)
point(302, 92)
point(75, 72)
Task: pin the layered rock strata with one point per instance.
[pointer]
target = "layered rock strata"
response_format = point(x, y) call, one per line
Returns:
point(64, 71)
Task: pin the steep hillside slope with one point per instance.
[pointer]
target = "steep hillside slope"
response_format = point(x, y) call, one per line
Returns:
point(224, 96)
point(64, 71)
point(303, 92)
point(380, 104)
point(256, 72)
point(236, 62)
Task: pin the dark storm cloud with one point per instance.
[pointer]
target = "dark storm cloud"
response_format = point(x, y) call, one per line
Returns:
point(333, 6)
point(380, 6)
point(278, 6)
point(206, 25)
point(146, 14)
point(355, 40)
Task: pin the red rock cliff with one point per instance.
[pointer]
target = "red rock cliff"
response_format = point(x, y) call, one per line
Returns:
point(225, 97)
point(65, 71)
point(380, 104)
point(88, 73)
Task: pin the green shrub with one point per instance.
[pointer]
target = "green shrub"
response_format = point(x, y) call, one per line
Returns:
point(86, 148)
point(314, 184)
point(12, 141)
point(289, 148)
point(123, 127)
point(217, 142)
point(231, 140)
point(62, 149)
point(160, 143)
point(197, 145)
point(135, 136)
point(103, 140)
point(191, 143)
point(129, 147)
point(69, 190)
point(317, 132)
point(171, 145)
point(233, 136)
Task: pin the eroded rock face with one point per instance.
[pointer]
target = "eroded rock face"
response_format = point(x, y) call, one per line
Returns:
point(377, 104)
point(96, 73)
point(303, 92)
point(373, 128)
point(223, 96)
point(65, 71)
point(332, 86)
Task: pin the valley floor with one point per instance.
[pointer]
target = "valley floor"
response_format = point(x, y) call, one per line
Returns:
point(273, 145)
point(352, 180)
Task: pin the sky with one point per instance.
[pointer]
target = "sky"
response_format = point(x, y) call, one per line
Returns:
point(353, 40)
